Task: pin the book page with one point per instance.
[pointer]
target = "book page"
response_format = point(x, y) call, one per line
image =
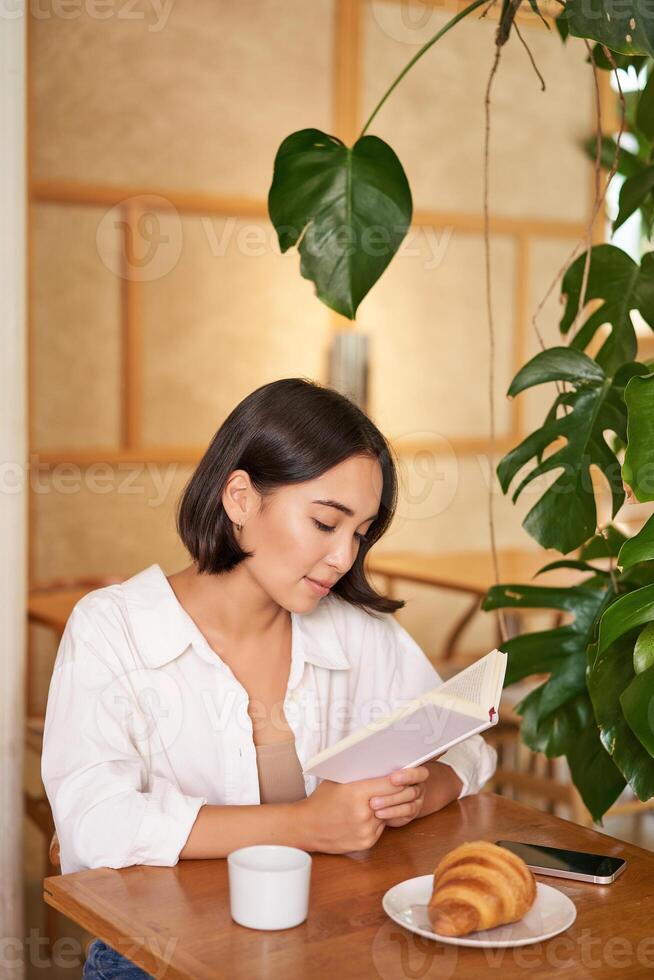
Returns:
point(469, 684)
point(423, 733)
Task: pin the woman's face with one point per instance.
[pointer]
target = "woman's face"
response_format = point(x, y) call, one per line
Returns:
point(296, 538)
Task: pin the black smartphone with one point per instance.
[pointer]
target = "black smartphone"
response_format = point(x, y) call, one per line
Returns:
point(579, 865)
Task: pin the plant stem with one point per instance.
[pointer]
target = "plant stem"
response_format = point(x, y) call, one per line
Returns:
point(455, 20)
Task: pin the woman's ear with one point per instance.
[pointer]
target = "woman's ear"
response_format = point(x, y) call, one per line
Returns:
point(239, 497)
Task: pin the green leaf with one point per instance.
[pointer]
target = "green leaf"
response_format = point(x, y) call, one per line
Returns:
point(552, 733)
point(605, 544)
point(633, 194)
point(625, 614)
point(558, 717)
point(624, 286)
point(638, 465)
point(565, 516)
point(581, 566)
point(347, 209)
point(626, 27)
point(561, 25)
point(546, 651)
point(638, 548)
point(610, 674)
point(594, 772)
point(637, 702)
point(556, 364)
point(534, 6)
point(645, 110)
point(644, 650)
point(621, 60)
point(628, 163)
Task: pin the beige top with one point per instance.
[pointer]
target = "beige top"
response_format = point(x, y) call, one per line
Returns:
point(280, 772)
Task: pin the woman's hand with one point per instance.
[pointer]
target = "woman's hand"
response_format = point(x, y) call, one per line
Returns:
point(421, 790)
point(403, 806)
point(337, 818)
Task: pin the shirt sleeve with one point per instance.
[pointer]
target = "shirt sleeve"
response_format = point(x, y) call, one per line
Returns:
point(107, 808)
point(473, 760)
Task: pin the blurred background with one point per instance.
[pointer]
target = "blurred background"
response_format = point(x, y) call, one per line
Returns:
point(158, 297)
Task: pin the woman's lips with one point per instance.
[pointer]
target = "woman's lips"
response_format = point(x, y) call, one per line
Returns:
point(318, 589)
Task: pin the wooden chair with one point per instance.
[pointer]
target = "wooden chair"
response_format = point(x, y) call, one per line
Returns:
point(49, 606)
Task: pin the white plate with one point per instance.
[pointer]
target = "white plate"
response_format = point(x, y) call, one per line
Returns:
point(551, 913)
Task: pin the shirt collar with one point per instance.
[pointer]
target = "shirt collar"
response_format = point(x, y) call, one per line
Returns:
point(164, 630)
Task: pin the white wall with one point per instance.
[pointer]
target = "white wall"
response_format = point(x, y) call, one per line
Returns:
point(13, 480)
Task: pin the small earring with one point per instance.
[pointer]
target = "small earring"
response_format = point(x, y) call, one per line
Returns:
point(239, 527)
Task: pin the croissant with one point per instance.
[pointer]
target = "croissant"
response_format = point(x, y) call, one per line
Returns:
point(479, 885)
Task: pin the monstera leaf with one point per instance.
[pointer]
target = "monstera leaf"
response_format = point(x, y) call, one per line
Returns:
point(605, 544)
point(557, 716)
point(635, 193)
point(565, 516)
point(623, 286)
point(593, 769)
point(610, 675)
point(645, 109)
point(552, 650)
point(626, 27)
point(638, 466)
point(627, 612)
point(639, 548)
point(347, 209)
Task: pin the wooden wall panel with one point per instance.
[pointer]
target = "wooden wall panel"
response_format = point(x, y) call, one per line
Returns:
point(75, 315)
point(108, 520)
point(429, 338)
point(230, 316)
point(196, 100)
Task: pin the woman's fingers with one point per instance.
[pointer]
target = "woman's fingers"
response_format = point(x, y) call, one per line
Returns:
point(414, 774)
point(403, 810)
point(406, 795)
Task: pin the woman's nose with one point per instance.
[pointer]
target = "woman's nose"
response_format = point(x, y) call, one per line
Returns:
point(342, 557)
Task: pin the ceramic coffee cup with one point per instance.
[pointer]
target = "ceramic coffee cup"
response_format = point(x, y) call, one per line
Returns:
point(269, 886)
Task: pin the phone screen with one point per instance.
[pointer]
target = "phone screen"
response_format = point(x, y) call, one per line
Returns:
point(565, 862)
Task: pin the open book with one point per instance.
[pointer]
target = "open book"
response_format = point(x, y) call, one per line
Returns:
point(462, 706)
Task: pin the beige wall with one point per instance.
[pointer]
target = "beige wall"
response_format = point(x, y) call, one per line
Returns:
point(192, 108)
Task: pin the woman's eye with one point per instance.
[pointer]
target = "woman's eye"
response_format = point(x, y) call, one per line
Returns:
point(323, 527)
point(328, 528)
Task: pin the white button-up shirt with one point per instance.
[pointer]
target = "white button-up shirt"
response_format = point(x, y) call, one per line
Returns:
point(145, 722)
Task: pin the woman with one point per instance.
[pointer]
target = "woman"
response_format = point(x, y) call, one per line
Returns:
point(182, 708)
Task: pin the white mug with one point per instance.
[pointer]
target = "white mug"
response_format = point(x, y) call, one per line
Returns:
point(269, 886)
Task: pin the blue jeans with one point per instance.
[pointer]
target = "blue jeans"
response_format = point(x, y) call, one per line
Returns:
point(104, 963)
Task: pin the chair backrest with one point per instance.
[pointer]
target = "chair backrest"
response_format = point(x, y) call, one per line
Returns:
point(54, 852)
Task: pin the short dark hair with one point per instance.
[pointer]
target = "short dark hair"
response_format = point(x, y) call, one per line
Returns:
point(288, 431)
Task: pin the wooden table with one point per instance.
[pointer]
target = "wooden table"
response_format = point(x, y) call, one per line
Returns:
point(175, 922)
